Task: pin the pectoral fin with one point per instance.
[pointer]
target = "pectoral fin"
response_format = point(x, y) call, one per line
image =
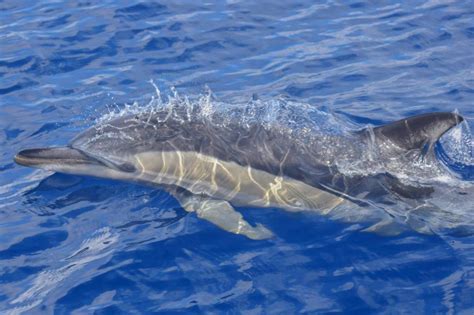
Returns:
point(222, 214)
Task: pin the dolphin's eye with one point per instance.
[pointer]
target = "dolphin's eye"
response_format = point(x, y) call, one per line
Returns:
point(127, 167)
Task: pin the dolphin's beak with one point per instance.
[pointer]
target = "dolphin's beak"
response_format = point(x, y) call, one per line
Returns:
point(53, 156)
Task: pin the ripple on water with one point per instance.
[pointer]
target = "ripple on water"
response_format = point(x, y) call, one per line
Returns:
point(88, 245)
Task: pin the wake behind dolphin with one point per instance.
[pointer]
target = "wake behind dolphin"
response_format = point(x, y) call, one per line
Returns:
point(213, 158)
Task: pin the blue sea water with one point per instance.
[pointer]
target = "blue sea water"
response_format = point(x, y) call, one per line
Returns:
point(71, 244)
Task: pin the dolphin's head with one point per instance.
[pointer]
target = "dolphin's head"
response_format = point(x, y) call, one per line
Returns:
point(101, 151)
point(72, 161)
point(107, 149)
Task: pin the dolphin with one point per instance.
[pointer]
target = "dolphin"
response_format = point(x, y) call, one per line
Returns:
point(212, 165)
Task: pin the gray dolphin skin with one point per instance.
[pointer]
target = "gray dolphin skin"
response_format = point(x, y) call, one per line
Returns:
point(211, 166)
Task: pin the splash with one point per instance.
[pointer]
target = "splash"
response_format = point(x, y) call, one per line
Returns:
point(291, 117)
point(456, 149)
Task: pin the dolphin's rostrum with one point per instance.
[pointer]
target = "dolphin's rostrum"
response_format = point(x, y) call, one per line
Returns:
point(211, 167)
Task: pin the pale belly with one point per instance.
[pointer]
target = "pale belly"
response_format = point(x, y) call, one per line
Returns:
point(240, 185)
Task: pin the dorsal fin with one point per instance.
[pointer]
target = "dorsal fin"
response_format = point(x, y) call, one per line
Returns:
point(418, 132)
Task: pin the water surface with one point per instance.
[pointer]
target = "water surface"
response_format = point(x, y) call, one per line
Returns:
point(75, 244)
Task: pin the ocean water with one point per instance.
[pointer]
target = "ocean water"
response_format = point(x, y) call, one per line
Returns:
point(79, 245)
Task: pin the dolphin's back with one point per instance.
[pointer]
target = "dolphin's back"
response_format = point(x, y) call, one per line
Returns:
point(267, 149)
